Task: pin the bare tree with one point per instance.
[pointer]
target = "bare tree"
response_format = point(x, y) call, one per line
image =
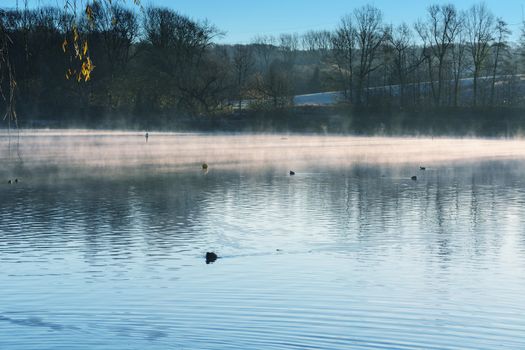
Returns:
point(480, 33)
point(317, 45)
point(275, 85)
point(242, 65)
point(288, 46)
point(370, 34)
point(180, 49)
point(501, 45)
point(438, 35)
point(344, 50)
point(317, 41)
point(274, 80)
point(118, 29)
point(265, 47)
point(400, 39)
point(458, 62)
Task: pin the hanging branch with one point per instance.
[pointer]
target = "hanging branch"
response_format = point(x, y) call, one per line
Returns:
point(75, 41)
point(7, 83)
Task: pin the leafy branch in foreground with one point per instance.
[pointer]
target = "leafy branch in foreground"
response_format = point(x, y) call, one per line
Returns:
point(75, 43)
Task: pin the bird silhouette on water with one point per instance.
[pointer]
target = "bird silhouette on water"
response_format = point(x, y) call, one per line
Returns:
point(292, 173)
point(211, 257)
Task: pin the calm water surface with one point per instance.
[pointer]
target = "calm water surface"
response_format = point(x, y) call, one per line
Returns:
point(358, 257)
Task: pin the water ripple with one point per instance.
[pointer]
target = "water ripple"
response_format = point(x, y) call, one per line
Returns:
point(361, 257)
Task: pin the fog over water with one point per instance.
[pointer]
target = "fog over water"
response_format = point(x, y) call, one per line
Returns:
point(59, 150)
point(103, 239)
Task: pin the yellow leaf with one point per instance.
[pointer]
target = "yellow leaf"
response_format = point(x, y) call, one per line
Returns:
point(87, 68)
point(77, 51)
point(64, 45)
point(89, 13)
point(85, 48)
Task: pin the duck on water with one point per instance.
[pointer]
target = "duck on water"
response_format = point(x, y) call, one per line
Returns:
point(211, 257)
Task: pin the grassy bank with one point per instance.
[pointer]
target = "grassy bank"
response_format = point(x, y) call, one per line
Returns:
point(497, 122)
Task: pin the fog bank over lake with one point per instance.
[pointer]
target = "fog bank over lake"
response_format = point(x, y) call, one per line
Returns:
point(59, 150)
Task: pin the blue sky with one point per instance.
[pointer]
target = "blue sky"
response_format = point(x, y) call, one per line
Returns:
point(242, 20)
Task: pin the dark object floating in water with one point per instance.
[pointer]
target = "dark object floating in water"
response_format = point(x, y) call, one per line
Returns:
point(422, 168)
point(16, 181)
point(211, 257)
point(9, 182)
point(414, 178)
point(204, 166)
point(292, 172)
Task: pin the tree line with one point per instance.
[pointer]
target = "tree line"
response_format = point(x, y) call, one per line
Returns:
point(157, 64)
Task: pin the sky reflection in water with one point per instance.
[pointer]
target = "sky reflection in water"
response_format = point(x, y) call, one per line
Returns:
point(349, 256)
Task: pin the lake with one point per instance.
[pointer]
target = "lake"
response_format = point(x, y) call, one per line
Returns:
point(103, 239)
